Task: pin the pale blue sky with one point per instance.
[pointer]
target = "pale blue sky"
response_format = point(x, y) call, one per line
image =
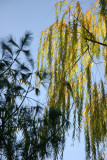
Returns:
point(18, 16)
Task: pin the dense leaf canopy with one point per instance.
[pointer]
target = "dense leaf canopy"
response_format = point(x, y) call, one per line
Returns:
point(71, 49)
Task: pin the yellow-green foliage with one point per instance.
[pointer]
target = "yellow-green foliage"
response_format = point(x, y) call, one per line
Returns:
point(71, 43)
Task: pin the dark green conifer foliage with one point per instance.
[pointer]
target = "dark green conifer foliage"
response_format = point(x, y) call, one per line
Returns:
point(20, 112)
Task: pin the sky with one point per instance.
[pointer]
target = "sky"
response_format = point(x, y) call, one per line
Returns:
point(19, 16)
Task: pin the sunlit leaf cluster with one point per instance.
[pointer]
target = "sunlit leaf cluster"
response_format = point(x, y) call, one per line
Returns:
point(70, 49)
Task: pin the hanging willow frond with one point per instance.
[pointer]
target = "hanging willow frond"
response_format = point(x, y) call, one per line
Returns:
point(75, 39)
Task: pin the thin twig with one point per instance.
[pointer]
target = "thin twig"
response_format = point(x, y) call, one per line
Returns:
point(103, 44)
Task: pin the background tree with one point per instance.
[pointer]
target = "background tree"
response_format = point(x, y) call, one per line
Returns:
point(23, 125)
point(70, 49)
point(14, 76)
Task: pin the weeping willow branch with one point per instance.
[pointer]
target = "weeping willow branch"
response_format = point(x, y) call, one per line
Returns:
point(103, 44)
point(94, 41)
point(79, 58)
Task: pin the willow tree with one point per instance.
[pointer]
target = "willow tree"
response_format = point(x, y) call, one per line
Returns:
point(70, 49)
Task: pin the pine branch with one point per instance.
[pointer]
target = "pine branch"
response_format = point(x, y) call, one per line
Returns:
point(19, 105)
point(10, 65)
point(39, 146)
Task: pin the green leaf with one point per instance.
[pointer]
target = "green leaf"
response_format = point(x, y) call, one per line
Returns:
point(23, 67)
point(27, 53)
point(3, 83)
point(38, 109)
point(25, 76)
point(2, 65)
point(6, 47)
point(37, 91)
point(26, 40)
point(18, 89)
point(11, 41)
